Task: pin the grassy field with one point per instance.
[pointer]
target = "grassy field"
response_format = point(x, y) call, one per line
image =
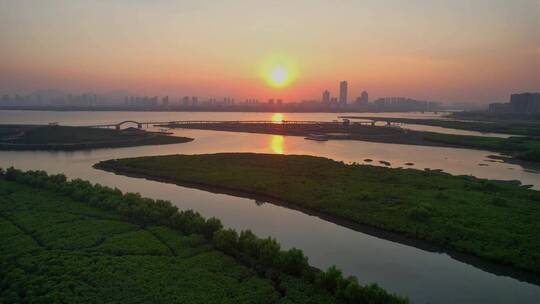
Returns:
point(14, 137)
point(72, 242)
point(494, 220)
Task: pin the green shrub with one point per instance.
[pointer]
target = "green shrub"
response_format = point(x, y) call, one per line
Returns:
point(226, 240)
point(498, 201)
point(419, 214)
point(293, 261)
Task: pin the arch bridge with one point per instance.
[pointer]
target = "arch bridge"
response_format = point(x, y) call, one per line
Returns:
point(119, 125)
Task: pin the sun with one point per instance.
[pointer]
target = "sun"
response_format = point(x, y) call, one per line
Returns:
point(278, 71)
point(279, 77)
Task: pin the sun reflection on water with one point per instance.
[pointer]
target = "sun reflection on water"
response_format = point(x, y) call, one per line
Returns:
point(277, 118)
point(277, 144)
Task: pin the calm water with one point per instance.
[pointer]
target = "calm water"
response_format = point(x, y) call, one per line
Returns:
point(89, 118)
point(426, 277)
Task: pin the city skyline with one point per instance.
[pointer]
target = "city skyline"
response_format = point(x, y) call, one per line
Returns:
point(45, 97)
point(342, 101)
point(479, 52)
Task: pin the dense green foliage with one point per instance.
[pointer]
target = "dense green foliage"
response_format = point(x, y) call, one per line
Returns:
point(73, 242)
point(13, 137)
point(524, 148)
point(494, 220)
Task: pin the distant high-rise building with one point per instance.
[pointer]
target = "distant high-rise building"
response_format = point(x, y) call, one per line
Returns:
point(500, 108)
point(185, 100)
point(525, 103)
point(326, 96)
point(364, 97)
point(6, 99)
point(343, 92)
point(404, 104)
point(363, 100)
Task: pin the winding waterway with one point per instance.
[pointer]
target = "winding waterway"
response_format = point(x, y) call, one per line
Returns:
point(424, 276)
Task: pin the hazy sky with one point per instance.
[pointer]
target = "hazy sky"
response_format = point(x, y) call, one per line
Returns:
point(445, 50)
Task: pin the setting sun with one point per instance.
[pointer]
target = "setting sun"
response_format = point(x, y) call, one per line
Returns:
point(279, 77)
point(279, 71)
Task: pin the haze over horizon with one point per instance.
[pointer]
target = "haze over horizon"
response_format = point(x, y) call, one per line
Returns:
point(449, 51)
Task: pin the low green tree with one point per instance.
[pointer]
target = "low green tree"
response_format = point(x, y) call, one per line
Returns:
point(293, 261)
point(226, 240)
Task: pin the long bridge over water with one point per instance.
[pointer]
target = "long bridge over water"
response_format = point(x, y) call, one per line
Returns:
point(188, 123)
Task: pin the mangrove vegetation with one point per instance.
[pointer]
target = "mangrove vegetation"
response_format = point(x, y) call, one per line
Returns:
point(522, 148)
point(513, 127)
point(74, 242)
point(495, 220)
point(54, 137)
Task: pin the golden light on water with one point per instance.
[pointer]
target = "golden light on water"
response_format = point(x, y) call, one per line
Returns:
point(277, 144)
point(277, 117)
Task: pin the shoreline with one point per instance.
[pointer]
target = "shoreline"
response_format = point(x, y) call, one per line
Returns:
point(170, 140)
point(72, 138)
point(414, 137)
point(401, 137)
point(527, 128)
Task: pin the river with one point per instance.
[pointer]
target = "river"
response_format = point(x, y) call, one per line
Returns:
point(424, 276)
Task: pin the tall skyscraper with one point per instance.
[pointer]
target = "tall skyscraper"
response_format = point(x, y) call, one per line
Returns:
point(326, 96)
point(343, 93)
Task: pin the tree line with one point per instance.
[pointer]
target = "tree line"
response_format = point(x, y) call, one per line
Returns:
point(265, 256)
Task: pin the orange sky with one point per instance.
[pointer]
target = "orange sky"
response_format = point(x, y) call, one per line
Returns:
point(474, 51)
